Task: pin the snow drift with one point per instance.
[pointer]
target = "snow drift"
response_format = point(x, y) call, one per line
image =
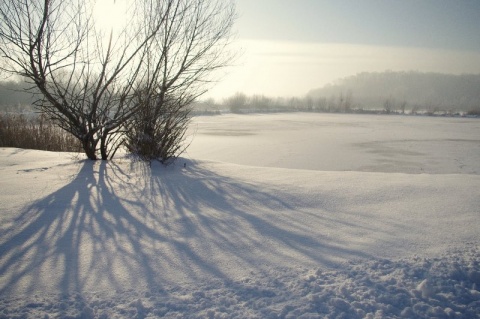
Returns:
point(210, 239)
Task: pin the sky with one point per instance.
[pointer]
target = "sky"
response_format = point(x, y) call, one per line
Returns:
point(290, 47)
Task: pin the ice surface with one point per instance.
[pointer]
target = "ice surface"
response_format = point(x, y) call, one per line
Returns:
point(341, 142)
point(224, 238)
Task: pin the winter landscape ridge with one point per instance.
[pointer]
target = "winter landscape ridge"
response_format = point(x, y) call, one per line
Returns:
point(265, 216)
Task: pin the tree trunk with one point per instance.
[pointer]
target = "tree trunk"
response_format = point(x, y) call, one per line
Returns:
point(103, 146)
point(89, 147)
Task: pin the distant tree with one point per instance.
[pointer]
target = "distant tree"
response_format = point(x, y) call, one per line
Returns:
point(331, 104)
point(389, 105)
point(260, 103)
point(237, 102)
point(308, 103)
point(402, 106)
point(321, 104)
point(91, 82)
point(294, 104)
point(13, 95)
point(348, 102)
point(210, 102)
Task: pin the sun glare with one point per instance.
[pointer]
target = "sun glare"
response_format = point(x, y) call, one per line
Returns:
point(111, 14)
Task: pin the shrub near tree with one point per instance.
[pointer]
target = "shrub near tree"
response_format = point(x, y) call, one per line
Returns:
point(157, 131)
point(94, 83)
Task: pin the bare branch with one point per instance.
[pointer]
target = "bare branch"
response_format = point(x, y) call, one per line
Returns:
point(94, 83)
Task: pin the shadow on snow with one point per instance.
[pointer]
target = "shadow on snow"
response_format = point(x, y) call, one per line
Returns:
point(118, 226)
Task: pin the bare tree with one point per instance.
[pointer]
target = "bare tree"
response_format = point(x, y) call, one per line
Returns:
point(90, 80)
point(157, 130)
point(191, 44)
point(389, 105)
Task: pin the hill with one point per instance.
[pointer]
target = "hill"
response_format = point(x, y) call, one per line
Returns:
point(405, 90)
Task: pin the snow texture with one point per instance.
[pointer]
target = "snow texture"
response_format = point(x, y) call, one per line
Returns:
point(373, 289)
point(214, 238)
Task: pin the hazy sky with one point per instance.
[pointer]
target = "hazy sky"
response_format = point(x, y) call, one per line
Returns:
point(292, 46)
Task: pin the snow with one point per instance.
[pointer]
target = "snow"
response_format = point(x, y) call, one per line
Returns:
point(273, 216)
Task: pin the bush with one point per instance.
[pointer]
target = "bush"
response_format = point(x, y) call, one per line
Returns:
point(157, 130)
point(35, 132)
point(474, 112)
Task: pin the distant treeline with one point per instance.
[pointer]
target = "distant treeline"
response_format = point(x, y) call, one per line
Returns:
point(14, 96)
point(387, 92)
point(400, 91)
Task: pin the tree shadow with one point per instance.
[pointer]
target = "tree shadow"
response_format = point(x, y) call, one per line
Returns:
point(118, 226)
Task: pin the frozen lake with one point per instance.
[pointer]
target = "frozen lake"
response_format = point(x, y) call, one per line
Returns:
point(340, 142)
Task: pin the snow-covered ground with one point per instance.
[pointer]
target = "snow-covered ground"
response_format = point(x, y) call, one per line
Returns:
point(333, 142)
point(269, 216)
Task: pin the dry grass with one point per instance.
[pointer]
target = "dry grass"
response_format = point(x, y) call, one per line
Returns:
point(35, 132)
